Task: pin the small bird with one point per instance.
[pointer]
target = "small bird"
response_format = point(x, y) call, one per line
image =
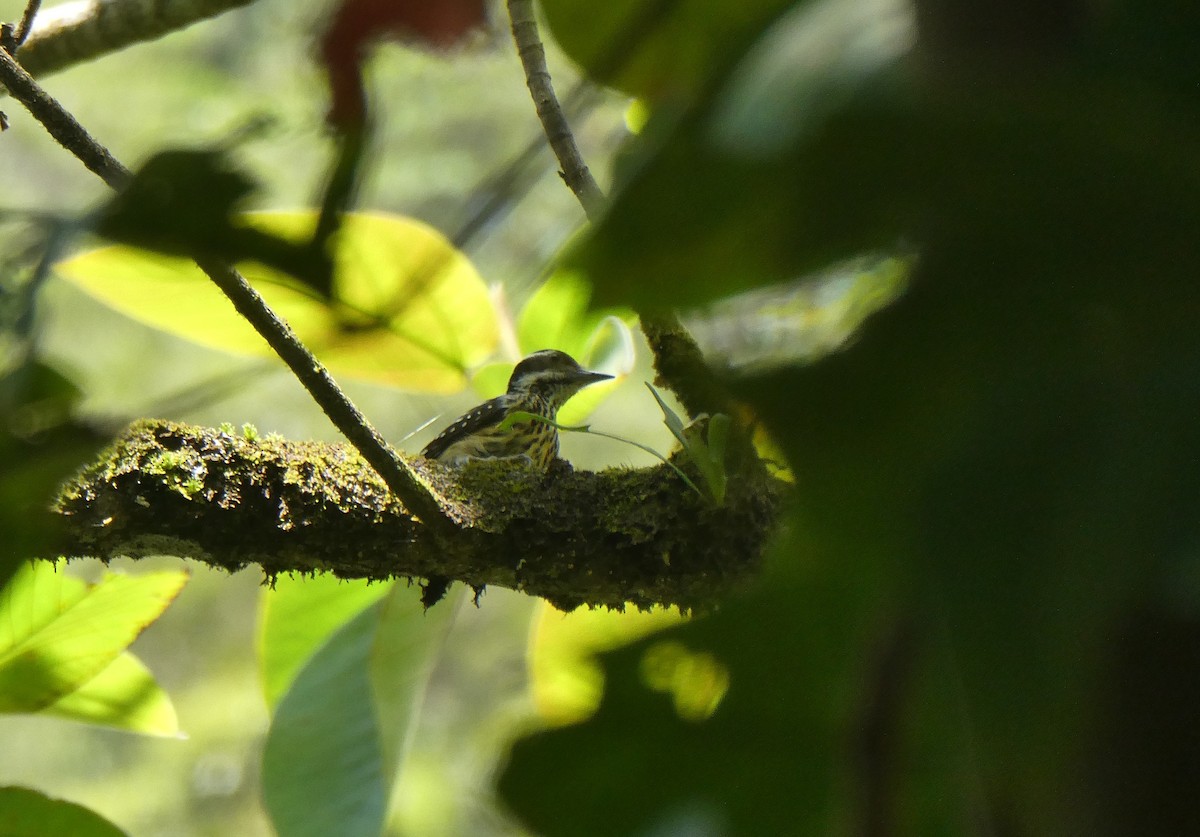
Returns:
point(540, 384)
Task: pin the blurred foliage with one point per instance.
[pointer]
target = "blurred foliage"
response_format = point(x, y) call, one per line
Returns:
point(983, 615)
point(298, 615)
point(966, 627)
point(566, 681)
point(660, 49)
point(339, 733)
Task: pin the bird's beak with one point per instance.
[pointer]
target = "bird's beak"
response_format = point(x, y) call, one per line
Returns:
point(589, 378)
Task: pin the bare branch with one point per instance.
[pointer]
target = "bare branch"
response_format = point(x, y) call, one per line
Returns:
point(80, 31)
point(609, 538)
point(399, 477)
point(60, 124)
point(554, 122)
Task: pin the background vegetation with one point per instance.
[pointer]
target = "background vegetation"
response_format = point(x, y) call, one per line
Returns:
point(981, 613)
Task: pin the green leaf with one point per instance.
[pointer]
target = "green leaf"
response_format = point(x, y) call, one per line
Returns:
point(408, 309)
point(124, 695)
point(56, 633)
point(558, 316)
point(29, 813)
point(323, 762)
point(670, 418)
point(750, 185)
point(408, 640)
point(709, 453)
point(656, 50)
point(338, 733)
point(297, 615)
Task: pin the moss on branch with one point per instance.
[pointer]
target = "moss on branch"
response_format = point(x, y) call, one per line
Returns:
point(232, 499)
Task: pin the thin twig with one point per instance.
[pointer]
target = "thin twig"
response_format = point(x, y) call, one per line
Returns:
point(61, 124)
point(401, 479)
point(554, 122)
point(677, 359)
point(26, 24)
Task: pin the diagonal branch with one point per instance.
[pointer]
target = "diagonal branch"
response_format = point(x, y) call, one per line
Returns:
point(602, 539)
point(558, 132)
point(396, 473)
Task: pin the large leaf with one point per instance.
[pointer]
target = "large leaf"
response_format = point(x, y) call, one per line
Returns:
point(408, 309)
point(29, 813)
point(323, 761)
point(298, 614)
point(407, 644)
point(338, 733)
point(56, 633)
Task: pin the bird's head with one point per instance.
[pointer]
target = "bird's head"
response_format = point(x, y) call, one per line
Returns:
point(553, 375)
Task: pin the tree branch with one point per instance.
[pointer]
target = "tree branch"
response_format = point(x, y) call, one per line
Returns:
point(558, 132)
point(677, 359)
point(80, 31)
point(400, 478)
point(605, 539)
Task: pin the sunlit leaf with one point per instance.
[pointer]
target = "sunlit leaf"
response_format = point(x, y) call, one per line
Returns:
point(28, 813)
point(408, 310)
point(298, 614)
point(56, 633)
point(123, 695)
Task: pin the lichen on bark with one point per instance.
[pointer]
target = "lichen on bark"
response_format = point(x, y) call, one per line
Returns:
point(608, 538)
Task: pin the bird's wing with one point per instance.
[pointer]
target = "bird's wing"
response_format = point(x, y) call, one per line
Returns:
point(487, 414)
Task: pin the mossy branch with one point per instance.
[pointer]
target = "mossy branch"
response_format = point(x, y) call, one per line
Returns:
point(229, 500)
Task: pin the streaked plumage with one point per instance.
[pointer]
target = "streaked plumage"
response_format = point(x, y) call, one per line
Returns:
point(540, 384)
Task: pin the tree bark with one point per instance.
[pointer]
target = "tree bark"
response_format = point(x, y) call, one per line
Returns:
point(228, 499)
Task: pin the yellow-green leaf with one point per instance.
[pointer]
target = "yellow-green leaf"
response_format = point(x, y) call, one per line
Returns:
point(123, 695)
point(56, 633)
point(409, 309)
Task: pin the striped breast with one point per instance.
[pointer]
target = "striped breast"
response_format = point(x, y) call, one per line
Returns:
point(486, 440)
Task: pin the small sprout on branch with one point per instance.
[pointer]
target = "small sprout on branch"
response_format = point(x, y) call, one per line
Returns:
point(706, 451)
